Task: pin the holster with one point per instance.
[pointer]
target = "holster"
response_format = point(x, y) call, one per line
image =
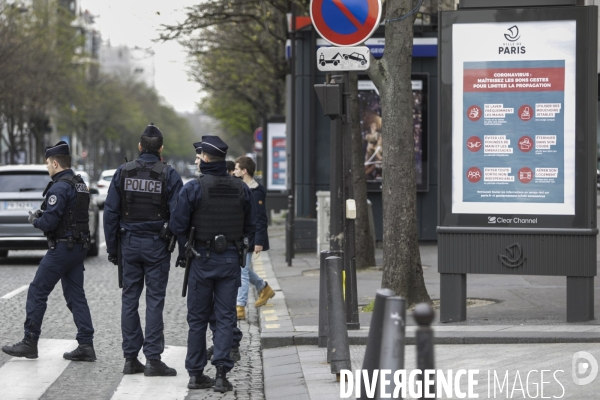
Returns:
point(51, 242)
point(242, 248)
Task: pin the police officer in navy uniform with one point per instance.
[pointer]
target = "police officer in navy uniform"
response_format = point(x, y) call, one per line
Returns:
point(237, 333)
point(221, 210)
point(64, 218)
point(140, 198)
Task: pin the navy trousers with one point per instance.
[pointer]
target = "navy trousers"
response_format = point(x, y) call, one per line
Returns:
point(145, 260)
point(60, 264)
point(237, 333)
point(212, 287)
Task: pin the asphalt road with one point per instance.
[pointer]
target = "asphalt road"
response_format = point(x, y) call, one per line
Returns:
point(103, 378)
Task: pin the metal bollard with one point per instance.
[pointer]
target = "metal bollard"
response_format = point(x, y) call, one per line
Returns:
point(391, 355)
point(323, 326)
point(423, 315)
point(373, 350)
point(338, 332)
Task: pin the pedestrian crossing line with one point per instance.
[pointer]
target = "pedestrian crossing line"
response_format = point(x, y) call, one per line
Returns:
point(15, 292)
point(23, 379)
point(268, 312)
point(140, 387)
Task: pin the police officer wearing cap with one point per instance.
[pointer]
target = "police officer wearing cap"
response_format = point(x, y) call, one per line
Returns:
point(63, 218)
point(237, 333)
point(221, 210)
point(140, 199)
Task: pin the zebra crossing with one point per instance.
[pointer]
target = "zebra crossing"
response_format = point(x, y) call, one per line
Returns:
point(24, 379)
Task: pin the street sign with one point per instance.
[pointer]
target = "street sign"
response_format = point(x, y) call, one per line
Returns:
point(258, 134)
point(345, 22)
point(343, 58)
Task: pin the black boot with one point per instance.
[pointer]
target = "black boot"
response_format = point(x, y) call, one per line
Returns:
point(133, 366)
point(221, 383)
point(25, 348)
point(83, 352)
point(201, 382)
point(158, 368)
point(235, 354)
point(209, 353)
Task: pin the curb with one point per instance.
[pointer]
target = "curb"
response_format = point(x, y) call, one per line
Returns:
point(284, 339)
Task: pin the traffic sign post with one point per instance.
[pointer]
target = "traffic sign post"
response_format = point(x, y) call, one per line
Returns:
point(345, 22)
point(334, 98)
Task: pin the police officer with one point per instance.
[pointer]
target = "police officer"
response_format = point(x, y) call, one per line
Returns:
point(221, 210)
point(140, 198)
point(64, 219)
point(237, 333)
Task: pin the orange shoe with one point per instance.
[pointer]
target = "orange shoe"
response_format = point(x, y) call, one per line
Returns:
point(264, 296)
point(241, 312)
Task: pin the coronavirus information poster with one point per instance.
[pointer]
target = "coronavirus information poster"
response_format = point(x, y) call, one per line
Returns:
point(513, 133)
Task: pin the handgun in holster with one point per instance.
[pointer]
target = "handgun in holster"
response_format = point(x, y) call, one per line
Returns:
point(51, 242)
point(242, 248)
point(166, 234)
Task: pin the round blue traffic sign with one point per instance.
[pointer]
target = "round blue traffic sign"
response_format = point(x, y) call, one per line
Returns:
point(345, 22)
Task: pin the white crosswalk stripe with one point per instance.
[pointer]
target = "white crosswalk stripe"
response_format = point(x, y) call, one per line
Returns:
point(23, 379)
point(168, 387)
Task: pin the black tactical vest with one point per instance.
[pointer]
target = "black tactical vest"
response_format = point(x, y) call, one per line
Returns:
point(221, 210)
point(77, 219)
point(144, 192)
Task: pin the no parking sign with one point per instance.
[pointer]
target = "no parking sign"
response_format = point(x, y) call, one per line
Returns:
point(345, 22)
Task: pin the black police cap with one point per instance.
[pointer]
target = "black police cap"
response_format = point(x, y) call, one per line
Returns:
point(214, 145)
point(59, 148)
point(198, 147)
point(152, 131)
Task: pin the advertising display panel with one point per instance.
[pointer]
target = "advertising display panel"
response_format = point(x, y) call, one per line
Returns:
point(369, 104)
point(517, 137)
point(276, 156)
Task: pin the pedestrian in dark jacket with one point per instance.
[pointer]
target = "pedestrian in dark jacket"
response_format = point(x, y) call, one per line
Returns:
point(244, 168)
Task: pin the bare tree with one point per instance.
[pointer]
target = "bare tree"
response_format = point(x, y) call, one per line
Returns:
point(402, 269)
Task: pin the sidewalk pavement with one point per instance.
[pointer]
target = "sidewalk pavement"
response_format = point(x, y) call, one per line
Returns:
point(524, 328)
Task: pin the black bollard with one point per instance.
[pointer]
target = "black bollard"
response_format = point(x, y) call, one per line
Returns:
point(423, 315)
point(391, 355)
point(323, 327)
point(373, 350)
point(339, 355)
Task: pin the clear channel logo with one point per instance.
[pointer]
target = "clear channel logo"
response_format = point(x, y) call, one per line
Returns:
point(514, 220)
point(584, 368)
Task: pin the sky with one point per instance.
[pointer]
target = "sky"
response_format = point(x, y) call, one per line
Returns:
point(137, 23)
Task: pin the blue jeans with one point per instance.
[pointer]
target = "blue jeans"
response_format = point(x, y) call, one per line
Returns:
point(249, 276)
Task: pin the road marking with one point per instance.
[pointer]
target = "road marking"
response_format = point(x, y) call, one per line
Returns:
point(141, 387)
point(103, 244)
point(272, 318)
point(272, 326)
point(269, 312)
point(15, 292)
point(21, 378)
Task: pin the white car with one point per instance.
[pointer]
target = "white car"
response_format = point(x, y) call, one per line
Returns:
point(103, 184)
point(21, 188)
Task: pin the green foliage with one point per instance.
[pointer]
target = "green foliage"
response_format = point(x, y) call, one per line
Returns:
point(237, 50)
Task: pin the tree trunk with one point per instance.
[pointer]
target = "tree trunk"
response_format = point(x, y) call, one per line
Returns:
point(365, 252)
point(402, 269)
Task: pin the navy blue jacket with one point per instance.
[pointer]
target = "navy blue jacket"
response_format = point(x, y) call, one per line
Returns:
point(261, 237)
point(60, 198)
point(112, 207)
point(189, 200)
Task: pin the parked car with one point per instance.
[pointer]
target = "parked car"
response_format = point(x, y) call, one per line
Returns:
point(103, 184)
point(21, 188)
